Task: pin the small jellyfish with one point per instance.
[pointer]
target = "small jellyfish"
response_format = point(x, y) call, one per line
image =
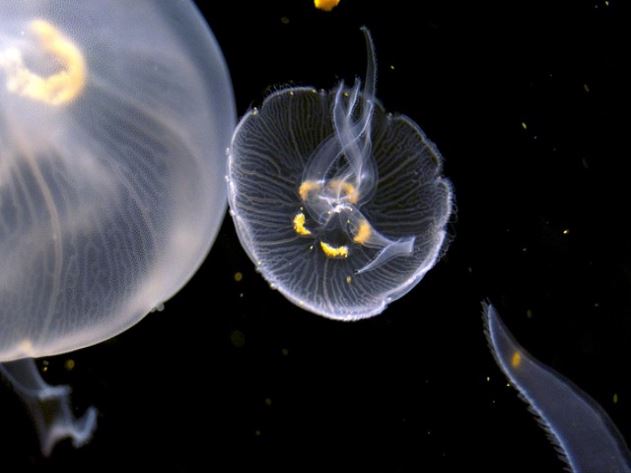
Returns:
point(586, 438)
point(340, 205)
point(114, 121)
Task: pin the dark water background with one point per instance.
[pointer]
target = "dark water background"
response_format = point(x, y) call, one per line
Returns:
point(232, 377)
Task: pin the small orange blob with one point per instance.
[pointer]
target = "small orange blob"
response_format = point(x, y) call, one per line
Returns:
point(349, 190)
point(334, 251)
point(325, 5)
point(299, 225)
point(306, 187)
point(363, 232)
point(516, 359)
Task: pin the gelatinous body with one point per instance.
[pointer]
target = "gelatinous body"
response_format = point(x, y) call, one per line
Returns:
point(114, 120)
point(585, 436)
point(341, 206)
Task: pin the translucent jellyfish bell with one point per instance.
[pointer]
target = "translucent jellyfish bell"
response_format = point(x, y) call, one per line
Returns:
point(114, 121)
point(341, 205)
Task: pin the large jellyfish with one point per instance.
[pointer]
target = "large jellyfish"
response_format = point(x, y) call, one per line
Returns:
point(586, 438)
point(341, 206)
point(114, 121)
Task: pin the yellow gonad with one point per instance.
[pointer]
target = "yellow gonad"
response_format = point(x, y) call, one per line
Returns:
point(363, 233)
point(326, 5)
point(349, 190)
point(334, 251)
point(299, 225)
point(516, 360)
point(306, 187)
point(57, 89)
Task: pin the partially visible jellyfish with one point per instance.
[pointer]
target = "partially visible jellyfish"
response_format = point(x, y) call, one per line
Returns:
point(341, 206)
point(586, 438)
point(325, 5)
point(114, 121)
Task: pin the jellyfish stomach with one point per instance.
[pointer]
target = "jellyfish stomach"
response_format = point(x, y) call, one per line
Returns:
point(329, 214)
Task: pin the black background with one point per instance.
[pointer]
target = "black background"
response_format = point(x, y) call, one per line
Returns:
point(232, 377)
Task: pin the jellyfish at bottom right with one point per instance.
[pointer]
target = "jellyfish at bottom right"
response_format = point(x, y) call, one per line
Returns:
point(586, 438)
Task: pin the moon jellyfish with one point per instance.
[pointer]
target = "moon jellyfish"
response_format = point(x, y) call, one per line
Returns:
point(583, 433)
point(114, 121)
point(341, 206)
